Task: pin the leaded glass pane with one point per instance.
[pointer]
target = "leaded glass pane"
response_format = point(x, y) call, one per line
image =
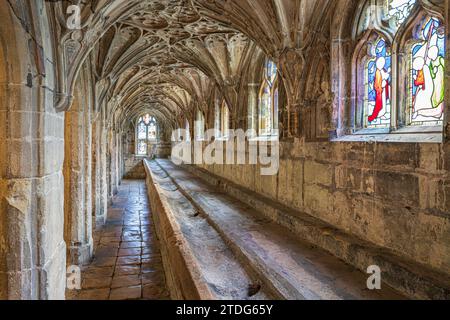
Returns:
point(378, 85)
point(142, 131)
point(152, 131)
point(266, 110)
point(400, 10)
point(271, 71)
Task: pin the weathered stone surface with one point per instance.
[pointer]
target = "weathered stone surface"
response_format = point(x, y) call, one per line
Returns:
point(406, 275)
point(198, 263)
point(273, 253)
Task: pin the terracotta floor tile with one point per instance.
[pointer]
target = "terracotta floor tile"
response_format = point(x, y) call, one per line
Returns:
point(127, 270)
point(127, 263)
point(95, 294)
point(106, 252)
point(125, 281)
point(132, 260)
point(131, 293)
point(130, 245)
point(108, 240)
point(129, 252)
point(104, 262)
point(132, 238)
point(98, 272)
point(97, 283)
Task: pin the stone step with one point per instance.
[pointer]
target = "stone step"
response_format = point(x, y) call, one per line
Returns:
point(198, 263)
point(409, 277)
point(289, 267)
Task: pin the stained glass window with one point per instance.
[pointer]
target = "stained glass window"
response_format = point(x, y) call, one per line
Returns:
point(428, 72)
point(142, 131)
point(217, 120)
point(378, 84)
point(200, 126)
point(268, 99)
point(146, 132)
point(415, 78)
point(400, 10)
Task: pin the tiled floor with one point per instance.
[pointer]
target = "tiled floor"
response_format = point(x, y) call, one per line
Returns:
point(127, 263)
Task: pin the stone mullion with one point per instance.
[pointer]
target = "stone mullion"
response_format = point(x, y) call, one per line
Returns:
point(116, 161)
point(112, 149)
point(88, 175)
point(96, 205)
point(103, 169)
point(447, 76)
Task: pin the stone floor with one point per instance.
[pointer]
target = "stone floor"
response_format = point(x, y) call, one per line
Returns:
point(127, 263)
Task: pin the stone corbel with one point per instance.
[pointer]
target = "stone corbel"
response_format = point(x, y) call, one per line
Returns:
point(67, 68)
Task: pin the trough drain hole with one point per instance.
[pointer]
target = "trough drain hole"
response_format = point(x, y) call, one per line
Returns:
point(253, 289)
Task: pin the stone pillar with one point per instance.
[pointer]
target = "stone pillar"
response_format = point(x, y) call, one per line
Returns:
point(113, 150)
point(78, 218)
point(88, 172)
point(32, 248)
point(99, 209)
point(103, 169)
point(118, 151)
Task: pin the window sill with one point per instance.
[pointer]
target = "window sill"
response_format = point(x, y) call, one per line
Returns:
point(264, 138)
point(405, 135)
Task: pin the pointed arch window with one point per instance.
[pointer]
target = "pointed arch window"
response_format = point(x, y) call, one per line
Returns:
point(268, 100)
point(200, 126)
point(402, 89)
point(146, 134)
point(224, 119)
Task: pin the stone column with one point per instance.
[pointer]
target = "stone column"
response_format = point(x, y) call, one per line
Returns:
point(77, 218)
point(118, 151)
point(99, 209)
point(103, 169)
point(88, 173)
point(113, 150)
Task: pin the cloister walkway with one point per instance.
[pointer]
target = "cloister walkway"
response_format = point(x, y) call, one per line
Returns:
point(127, 262)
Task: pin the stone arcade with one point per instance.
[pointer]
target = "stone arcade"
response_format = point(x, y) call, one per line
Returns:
point(355, 92)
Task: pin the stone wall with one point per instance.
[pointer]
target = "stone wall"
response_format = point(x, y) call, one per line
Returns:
point(134, 167)
point(392, 195)
point(32, 248)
